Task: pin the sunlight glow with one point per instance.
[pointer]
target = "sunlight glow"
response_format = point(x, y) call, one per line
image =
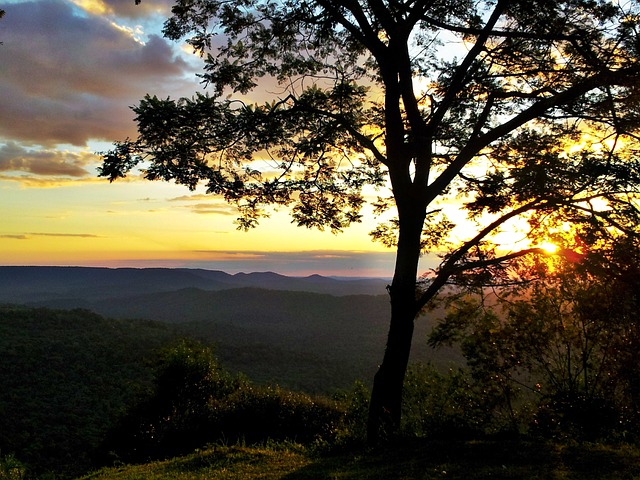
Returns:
point(549, 247)
point(95, 7)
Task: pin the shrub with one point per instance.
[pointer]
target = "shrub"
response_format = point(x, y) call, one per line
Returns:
point(445, 405)
point(579, 417)
point(11, 468)
point(195, 402)
point(353, 429)
point(258, 414)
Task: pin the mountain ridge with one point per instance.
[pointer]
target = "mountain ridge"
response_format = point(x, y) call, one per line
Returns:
point(19, 284)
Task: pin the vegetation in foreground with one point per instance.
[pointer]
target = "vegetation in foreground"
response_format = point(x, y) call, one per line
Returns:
point(423, 460)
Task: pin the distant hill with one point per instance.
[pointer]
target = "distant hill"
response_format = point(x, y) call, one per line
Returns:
point(34, 284)
point(332, 330)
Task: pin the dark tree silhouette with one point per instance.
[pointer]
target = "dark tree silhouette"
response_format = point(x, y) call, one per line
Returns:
point(440, 101)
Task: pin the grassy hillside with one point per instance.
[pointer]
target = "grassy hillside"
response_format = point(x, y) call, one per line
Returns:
point(416, 461)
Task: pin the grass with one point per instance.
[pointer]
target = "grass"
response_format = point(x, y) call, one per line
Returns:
point(215, 463)
point(410, 461)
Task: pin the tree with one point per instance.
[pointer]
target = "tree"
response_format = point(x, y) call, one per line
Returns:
point(571, 336)
point(512, 109)
point(176, 416)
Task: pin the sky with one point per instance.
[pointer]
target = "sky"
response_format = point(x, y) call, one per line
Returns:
point(69, 72)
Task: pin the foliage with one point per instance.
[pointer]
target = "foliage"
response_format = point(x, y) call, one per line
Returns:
point(195, 402)
point(352, 430)
point(448, 405)
point(11, 468)
point(566, 339)
point(66, 377)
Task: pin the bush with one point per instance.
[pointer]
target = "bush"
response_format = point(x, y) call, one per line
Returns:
point(578, 417)
point(174, 418)
point(353, 429)
point(195, 402)
point(446, 406)
point(255, 414)
point(11, 468)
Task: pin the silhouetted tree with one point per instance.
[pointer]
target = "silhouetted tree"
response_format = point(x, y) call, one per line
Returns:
point(441, 101)
point(175, 418)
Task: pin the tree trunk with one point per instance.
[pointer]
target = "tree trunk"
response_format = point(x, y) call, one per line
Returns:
point(386, 396)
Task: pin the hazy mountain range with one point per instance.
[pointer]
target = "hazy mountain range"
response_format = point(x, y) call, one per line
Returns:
point(306, 332)
point(35, 284)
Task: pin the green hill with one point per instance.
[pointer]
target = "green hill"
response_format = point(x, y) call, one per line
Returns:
point(66, 377)
point(303, 340)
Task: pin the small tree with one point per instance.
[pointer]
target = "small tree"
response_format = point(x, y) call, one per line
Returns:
point(512, 109)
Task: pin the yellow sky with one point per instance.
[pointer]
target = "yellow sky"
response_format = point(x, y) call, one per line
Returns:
point(70, 71)
point(138, 223)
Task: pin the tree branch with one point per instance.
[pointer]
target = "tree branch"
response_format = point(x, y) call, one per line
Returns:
point(495, 33)
point(458, 80)
point(536, 110)
point(449, 267)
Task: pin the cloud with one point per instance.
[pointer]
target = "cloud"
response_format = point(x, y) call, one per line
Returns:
point(27, 236)
point(75, 235)
point(189, 198)
point(213, 205)
point(68, 77)
point(15, 237)
point(28, 180)
point(15, 158)
point(212, 208)
point(326, 262)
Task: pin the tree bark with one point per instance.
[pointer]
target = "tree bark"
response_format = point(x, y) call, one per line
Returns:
point(386, 396)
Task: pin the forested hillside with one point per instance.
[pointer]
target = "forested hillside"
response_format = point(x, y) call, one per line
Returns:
point(66, 377)
point(70, 375)
point(314, 333)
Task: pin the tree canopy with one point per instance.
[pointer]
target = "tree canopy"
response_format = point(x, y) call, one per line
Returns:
point(523, 113)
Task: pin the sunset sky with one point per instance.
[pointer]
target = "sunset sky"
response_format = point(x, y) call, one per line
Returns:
point(69, 70)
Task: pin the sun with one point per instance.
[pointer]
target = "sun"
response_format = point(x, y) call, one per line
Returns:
point(549, 247)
